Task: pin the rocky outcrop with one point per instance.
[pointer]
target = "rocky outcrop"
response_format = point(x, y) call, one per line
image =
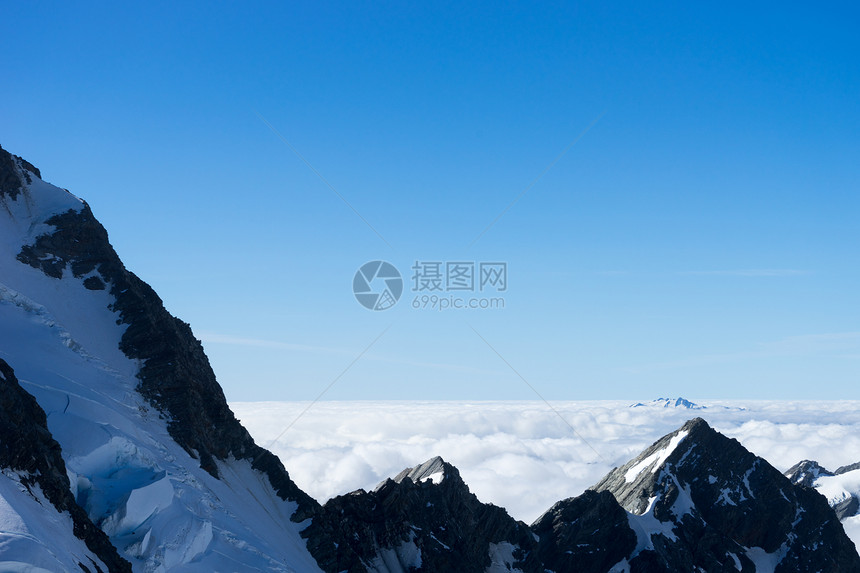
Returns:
point(845, 469)
point(586, 533)
point(425, 519)
point(10, 174)
point(27, 447)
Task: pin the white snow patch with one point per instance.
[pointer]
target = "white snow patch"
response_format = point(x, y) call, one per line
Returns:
point(725, 498)
point(684, 502)
point(502, 558)
point(737, 561)
point(398, 559)
point(435, 477)
point(647, 525)
point(766, 562)
point(839, 488)
point(622, 566)
point(852, 529)
point(656, 459)
point(34, 537)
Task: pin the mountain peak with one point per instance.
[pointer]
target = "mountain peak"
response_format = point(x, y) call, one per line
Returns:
point(434, 470)
point(429, 521)
point(806, 472)
point(679, 402)
point(709, 496)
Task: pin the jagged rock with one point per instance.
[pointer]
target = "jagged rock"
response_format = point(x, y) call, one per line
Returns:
point(427, 470)
point(425, 519)
point(586, 533)
point(11, 172)
point(846, 469)
point(806, 472)
point(26, 446)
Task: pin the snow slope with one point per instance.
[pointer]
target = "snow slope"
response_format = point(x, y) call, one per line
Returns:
point(159, 508)
point(34, 538)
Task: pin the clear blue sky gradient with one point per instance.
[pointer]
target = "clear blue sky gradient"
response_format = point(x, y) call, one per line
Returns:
point(700, 239)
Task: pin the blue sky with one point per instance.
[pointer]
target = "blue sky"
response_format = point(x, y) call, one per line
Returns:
point(698, 238)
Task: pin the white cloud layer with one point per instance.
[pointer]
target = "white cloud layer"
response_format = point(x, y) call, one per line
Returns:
point(521, 455)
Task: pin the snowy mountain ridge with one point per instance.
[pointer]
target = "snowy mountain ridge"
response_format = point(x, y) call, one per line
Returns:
point(669, 403)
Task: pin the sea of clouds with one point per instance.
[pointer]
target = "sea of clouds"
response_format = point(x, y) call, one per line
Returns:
point(525, 456)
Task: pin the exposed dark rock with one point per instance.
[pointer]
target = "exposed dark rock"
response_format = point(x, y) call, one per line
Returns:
point(26, 445)
point(846, 469)
point(586, 533)
point(451, 528)
point(10, 174)
point(847, 507)
point(94, 283)
point(30, 167)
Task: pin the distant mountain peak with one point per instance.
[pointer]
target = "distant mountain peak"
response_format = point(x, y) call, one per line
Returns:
point(806, 472)
point(679, 402)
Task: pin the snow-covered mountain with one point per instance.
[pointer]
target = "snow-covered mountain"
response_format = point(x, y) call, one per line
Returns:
point(679, 402)
point(699, 500)
point(119, 452)
point(153, 454)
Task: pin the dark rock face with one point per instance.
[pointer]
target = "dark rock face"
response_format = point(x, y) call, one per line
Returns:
point(846, 469)
point(587, 533)
point(693, 501)
point(26, 445)
point(718, 498)
point(450, 527)
point(11, 173)
point(176, 376)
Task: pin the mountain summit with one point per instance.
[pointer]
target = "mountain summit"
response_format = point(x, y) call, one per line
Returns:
point(698, 499)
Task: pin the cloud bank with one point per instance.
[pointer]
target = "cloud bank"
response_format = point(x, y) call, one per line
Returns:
point(521, 455)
